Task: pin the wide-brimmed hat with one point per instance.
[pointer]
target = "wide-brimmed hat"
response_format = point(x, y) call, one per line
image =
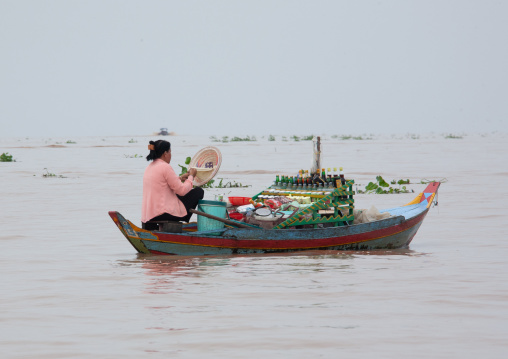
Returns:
point(207, 163)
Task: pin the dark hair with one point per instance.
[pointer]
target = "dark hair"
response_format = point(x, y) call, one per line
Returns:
point(159, 147)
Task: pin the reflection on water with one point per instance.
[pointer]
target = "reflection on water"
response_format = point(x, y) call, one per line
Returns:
point(168, 274)
point(167, 265)
point(175, 265)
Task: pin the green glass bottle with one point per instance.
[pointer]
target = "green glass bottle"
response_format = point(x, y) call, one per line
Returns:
point(342, 178)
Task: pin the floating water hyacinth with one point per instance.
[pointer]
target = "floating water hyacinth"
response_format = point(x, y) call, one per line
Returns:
point(382, 187)
point(50, 174)
point(6, 157)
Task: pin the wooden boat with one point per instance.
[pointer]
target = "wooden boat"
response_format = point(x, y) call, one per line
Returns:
point(396, 231)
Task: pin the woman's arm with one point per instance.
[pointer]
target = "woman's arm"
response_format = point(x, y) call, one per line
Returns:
point(175, 182)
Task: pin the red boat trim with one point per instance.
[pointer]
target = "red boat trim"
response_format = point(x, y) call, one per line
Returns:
point(300, 244)
point(161, 253)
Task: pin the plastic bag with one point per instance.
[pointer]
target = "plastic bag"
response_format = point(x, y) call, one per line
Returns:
point(273, 203)
point(245, 208)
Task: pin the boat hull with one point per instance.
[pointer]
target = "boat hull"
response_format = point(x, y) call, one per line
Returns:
point(394, 232)
point(391, 233)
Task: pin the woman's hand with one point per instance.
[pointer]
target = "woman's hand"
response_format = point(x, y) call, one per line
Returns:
point(192, 172)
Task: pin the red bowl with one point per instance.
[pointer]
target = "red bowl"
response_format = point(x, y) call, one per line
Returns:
point(239, 201)
point(236, 216)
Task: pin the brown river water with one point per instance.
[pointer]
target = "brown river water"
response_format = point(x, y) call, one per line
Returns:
point(73, 287)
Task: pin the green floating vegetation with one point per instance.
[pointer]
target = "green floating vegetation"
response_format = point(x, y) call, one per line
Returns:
point(133, 141)
point(453, 136)
point(350, 137)
point(426, 181)
point(224, 184)
point(6, 157)
point(70, 142)
point(240, 139)
point(294, 138)
point(134, 156)
point(400, 182)
point(226, 139)
point(382, 187)
point(185, 169)
point(307, 138)
point(50, 174)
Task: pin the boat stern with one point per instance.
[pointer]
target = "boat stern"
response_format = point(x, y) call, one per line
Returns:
point(129, 230)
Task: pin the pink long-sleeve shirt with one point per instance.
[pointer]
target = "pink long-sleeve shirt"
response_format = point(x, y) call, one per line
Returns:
point(160, 186)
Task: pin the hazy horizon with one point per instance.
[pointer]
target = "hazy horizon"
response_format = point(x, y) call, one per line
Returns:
point(90, 68)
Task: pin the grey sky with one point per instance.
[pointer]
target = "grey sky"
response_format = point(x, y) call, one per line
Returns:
point(252, 67)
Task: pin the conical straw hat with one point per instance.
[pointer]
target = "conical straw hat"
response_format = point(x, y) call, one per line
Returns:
point(207, 162)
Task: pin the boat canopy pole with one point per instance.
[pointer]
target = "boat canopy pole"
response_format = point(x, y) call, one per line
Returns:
point(316, 158)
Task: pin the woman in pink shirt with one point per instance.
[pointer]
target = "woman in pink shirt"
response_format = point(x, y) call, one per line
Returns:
point(166, 196)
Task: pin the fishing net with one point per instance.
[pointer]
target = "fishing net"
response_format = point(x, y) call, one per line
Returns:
point(369, 215)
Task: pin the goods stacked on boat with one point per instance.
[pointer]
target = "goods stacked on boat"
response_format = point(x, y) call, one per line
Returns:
point(302, 201)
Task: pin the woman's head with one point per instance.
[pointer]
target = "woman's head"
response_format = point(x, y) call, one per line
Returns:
point(157, 149)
